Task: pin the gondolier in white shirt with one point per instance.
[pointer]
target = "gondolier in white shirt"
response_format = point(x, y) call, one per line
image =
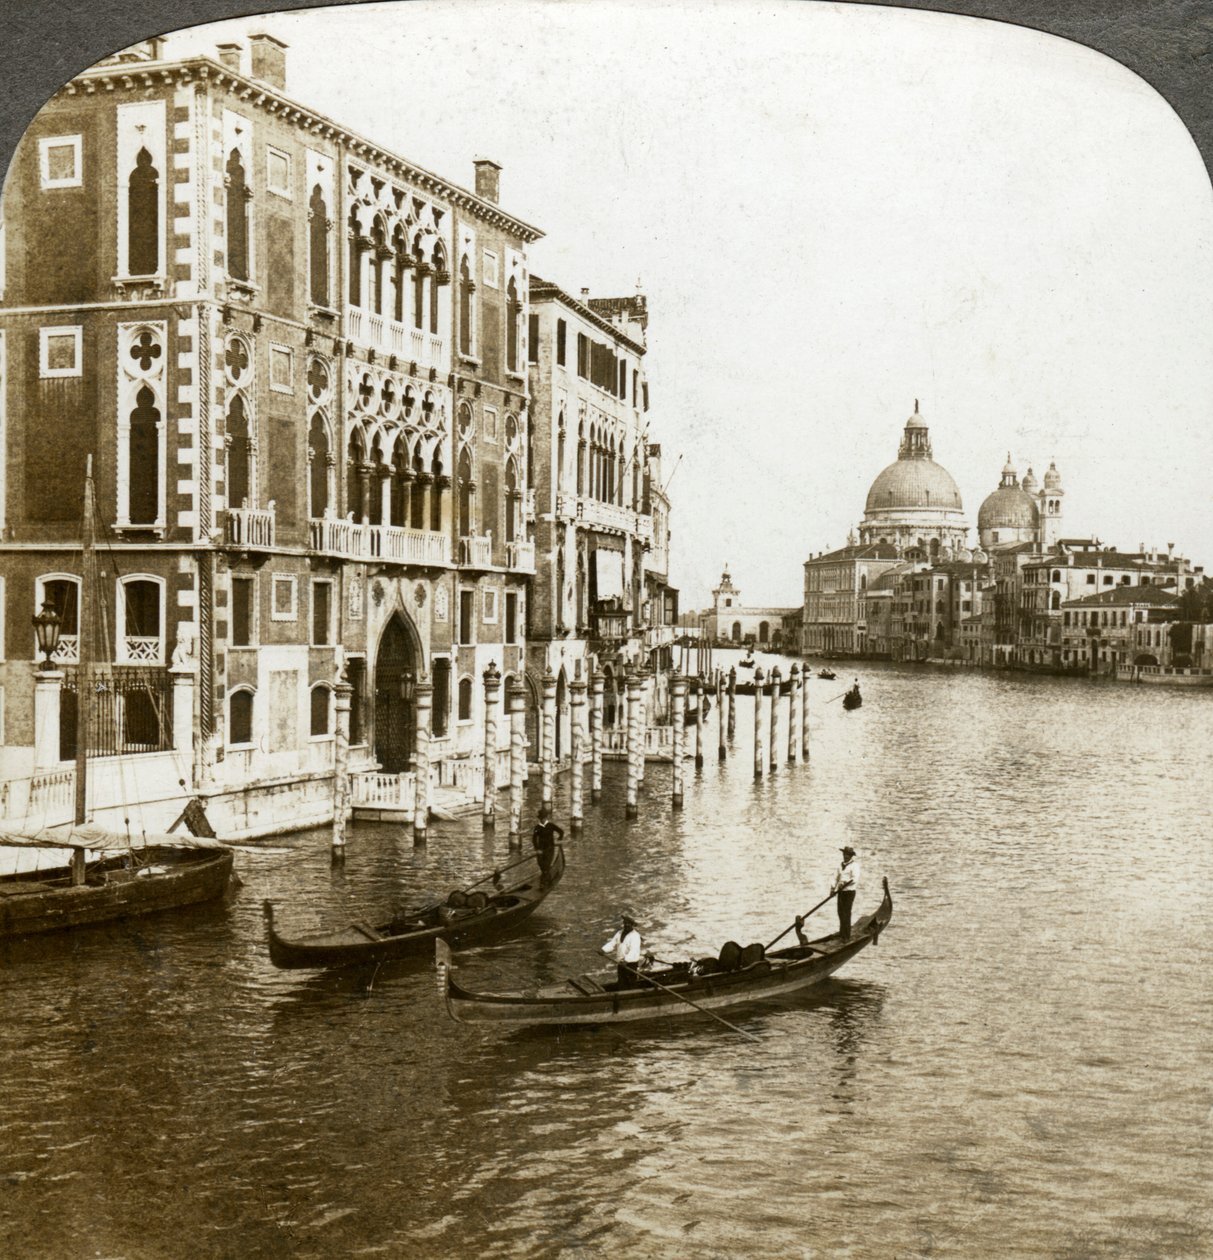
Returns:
point(846, 882)
point(624, 947)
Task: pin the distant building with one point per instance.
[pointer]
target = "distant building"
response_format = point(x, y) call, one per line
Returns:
point(731, 621)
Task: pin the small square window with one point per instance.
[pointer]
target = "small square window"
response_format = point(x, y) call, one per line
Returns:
point(490, 606)
point(60, 162)
point(278, 171)
point(490, 425)
point(490, 269)
point(59, 351)
point(284, 606)
point(282, 370)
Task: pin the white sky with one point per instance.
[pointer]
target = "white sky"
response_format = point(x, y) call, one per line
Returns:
point(833, 210)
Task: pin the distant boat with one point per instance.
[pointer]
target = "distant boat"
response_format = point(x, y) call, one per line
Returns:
point(747, 663)
point(467, 916)
point(738, 976)
point(122, 879)
point(828, 674)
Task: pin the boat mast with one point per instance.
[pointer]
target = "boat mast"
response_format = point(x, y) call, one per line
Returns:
point(84, 694)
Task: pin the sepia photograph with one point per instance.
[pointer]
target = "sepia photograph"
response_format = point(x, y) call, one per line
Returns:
point(605, 644)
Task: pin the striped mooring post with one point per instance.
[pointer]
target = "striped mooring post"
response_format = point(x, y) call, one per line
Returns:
point(793, 701)
point(576, 749)
point(492, 700)
point(517, 707)
point(758, 759)
point(678, 698)
point(423, 693)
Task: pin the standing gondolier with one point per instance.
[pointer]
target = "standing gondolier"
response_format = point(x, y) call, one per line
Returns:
point(624, 947)
point(846, 882)
point(546, 836)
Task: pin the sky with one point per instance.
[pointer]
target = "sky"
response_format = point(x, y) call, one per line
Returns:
point(834, 210)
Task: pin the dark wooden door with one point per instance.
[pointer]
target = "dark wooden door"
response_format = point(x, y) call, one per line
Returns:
point(395, 712)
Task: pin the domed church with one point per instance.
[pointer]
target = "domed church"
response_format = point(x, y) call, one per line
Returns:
point(1018, 512)
point(914, 504)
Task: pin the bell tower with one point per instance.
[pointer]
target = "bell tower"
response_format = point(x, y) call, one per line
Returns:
point(726, 595)
point(1051, 495)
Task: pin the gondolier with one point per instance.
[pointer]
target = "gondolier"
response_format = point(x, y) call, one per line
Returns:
point(546, 836)
point(846, 882)
point(624, 947)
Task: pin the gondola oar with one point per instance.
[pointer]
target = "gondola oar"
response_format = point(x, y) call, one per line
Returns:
point(803, 916)
point(839, 696)
point(658, 985)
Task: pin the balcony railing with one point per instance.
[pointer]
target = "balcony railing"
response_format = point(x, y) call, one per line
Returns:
point(476, 551)
point(610, 625)
point(250, 527)
point(355, 541)
point(386, 335)
point(68, 651)
point(520, 555)
point(142, 650)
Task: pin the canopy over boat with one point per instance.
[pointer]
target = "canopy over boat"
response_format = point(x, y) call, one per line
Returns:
point(96, 839)
point(491, 907)
point(736, 977)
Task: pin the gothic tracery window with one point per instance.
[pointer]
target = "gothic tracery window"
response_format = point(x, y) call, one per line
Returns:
point(466, 289)
point(143, 217)
point(318, 467)
point(239, 454)
point(144, 464)
point(318, 247)
point(513, 316)
point(238, 195)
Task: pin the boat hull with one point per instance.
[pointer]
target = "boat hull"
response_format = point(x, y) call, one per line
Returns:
point(790, 971)
point(47, 902)
point(361, 944)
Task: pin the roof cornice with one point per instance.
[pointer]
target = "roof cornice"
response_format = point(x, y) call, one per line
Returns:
point(546, 291)
point(137, 76)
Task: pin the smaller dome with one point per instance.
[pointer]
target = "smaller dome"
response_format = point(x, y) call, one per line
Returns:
point(1052, 477)
point(1007, 508)
point(1030, 484)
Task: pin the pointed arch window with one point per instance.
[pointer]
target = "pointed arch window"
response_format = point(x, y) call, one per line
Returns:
point(240, 717)
point(143, 217)
point(318, 467)
point(318, 246)
point(239, 454)
point(436, 487)
point(419, 271)
point(144, 453)
point(353, 475)
point(513, 497)
point(238, 197)
point(440, 277)
point(354, 266)
point(466, 289)
point(513, 317)
point(400, 265)
point(466, 490)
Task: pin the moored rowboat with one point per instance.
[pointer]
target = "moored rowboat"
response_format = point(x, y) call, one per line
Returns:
point(739, 977)
point(484, 910)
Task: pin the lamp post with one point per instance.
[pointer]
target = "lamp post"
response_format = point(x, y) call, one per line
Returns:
point(46, 631)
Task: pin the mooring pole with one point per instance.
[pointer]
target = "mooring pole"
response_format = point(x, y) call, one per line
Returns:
point(341, 767)
point(758, 680)
point(804, 713)
point(423, 692)
point(776, 700)
point(698, 690)
point(646, 683)
point(576, 769)
point(633, 694)
point(793, 701)
point(678, 697)
point(597, 680)
point(721, 721)
point(492, 698)
point(547, 740)
point(517, 707)
point(732, 702)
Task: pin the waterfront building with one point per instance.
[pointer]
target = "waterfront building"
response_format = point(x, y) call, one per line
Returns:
point(836, 583)
point(935, 601)
point(299, 361)
point(1109, 631)
point(601, 598)
point(731, 620)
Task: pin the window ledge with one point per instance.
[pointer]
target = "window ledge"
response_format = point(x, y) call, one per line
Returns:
point(138, 287)
point(470, 359)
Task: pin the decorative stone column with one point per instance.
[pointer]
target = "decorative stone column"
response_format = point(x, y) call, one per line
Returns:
point(517, 707)
point(577, 689)
point(793, 714)
point(492, 697)
point(633, 692)
point(759, 679)
point(423, 692)
point(678, 697)
point(776, 701)
point(48, 690)
point(342, 692)
point(547, 738)
point(597, 682)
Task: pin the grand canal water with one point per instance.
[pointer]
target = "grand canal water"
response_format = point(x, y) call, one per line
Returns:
point(1022, 1068)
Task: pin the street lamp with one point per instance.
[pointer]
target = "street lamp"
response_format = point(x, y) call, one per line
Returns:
point(46, 630)
point(407, 685)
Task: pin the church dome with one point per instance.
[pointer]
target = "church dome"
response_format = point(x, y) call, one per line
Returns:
point(915, 481)
point(1009, 507)
point(1030, 484)
point(1052, 477)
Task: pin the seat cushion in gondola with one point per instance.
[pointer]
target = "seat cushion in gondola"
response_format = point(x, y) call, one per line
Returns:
point(730, 956)
point(458, 899)
point(477, 901)
point(752, 954)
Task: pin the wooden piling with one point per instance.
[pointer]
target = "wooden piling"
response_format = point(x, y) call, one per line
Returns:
point(341, 768)
point(597, 680)
point(577, 690)
point(633, 742)
point(758, 758)
point(776, 701)
point(645, 676)
point(732, 702)
point(804, 713)
point(793, 701)
point(492, 699)
point(517, 709)
point(698, 691)
point(423, 693)
point(721, 722)
point(547, 738)
point(678, 698)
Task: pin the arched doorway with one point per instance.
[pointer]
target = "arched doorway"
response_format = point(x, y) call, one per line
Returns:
point(396, 666)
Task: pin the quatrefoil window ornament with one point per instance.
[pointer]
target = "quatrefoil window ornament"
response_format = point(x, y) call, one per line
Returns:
point(145, 350)
point(317, 379)
point(236, 359)
point(387, 398)
point(366, 391)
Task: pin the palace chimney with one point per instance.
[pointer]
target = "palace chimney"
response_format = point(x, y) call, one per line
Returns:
point(488, 179)
point(269, 60)
point(230, 55)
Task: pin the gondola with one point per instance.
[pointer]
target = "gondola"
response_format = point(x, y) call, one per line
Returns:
point(852, 699)
point(736, 977)
point(748, 688)
point(489, 908)
point(828, 674)
point(747, 663)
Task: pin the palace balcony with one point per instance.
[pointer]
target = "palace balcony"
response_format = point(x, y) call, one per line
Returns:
point(249, 529)
point(476, 551)
point(520, 555)
point(392, 544)
point(386, 336)
point(609, 625)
